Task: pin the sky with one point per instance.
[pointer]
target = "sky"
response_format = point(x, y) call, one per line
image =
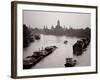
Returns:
point(39, 19)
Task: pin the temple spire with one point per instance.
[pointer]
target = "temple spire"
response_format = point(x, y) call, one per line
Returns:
point(58, 23)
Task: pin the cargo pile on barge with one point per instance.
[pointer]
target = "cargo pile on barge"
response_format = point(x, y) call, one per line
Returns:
point(37, 56)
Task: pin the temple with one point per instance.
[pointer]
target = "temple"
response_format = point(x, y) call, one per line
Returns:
point(58, 25)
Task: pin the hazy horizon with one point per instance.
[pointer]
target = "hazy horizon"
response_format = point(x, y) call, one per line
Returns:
point(39, 19)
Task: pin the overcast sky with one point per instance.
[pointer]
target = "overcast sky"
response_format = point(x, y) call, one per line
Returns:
point(40, 18)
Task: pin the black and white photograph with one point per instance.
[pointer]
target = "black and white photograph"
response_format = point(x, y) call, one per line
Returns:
point(53, 39)
point(56, 39)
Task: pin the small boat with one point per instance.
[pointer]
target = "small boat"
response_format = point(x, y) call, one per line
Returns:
point(37, 37)
point(70, 62)
point(65, 42)
point(32, 39)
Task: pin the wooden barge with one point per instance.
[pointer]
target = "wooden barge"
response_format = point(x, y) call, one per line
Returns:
point(37, 56)
point(80, 46)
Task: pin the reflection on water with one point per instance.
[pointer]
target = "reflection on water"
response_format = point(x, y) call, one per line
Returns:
point(57, 58)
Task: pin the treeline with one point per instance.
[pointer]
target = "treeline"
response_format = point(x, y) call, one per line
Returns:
point(29, 36)
point(26, 36)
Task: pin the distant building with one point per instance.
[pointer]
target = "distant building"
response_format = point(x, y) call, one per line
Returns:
point(58, 25)
point(52, 27)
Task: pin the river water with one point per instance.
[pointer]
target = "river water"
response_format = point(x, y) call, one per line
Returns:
point(57, 58)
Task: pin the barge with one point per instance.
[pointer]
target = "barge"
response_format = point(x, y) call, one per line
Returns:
point(37, 56)
point(80, 46)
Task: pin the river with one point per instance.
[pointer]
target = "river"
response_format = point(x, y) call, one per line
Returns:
point(57, 58)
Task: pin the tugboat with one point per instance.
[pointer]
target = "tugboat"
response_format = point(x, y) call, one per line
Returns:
point(70, 62)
